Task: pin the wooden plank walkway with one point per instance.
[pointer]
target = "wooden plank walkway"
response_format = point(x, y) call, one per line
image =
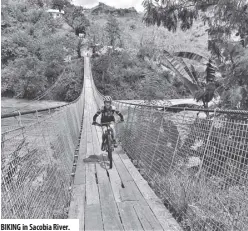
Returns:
point(111, 199)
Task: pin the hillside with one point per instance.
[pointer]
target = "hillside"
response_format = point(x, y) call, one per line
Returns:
point(134, 31)
point(133, 76)
point(30, 36)
point(102, 8)
point(34, 48)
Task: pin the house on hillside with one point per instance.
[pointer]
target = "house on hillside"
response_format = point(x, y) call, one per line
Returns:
point(56, 13)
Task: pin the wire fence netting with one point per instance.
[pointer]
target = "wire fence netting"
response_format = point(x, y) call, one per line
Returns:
point(197, 164)
point(37, 158)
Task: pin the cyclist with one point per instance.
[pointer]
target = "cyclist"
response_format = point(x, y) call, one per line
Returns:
point(107, 112)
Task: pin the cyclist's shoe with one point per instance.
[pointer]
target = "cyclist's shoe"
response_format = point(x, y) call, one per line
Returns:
point(115, 144)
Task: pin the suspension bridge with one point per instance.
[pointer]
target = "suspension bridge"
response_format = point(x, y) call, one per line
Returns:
point(171, 171)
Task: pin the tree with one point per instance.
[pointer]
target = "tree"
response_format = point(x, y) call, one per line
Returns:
point(76, 19)
point(8, 51)
point(58, 4)
point(113, 31)
point(32, 51)
point(223, 18)
point(95, 33)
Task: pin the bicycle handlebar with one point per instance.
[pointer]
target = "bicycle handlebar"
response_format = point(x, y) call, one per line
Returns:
point(107, 123)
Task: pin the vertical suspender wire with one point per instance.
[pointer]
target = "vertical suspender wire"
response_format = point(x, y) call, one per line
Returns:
point(132, 132)
point(20, 119)
point(144, 138)
point(155, 150)
point(205, 150)
point(126, 127)
point(175, 151)
point(137, 133)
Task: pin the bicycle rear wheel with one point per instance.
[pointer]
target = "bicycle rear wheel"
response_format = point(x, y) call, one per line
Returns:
point(110, 150)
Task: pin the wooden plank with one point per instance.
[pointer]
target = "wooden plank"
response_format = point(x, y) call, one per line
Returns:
point(114, 178)
point(96, 143)
point(80, 169)
point(161, 213)
point(122, 170)
point(92, 195)
point(102, 175)
point(143, 220)
point(130, 167)
point(80, 173)
point(110, 214)
point(116, 183)
point(76, 210)
point(129, 217)
point(147, 192)
point(93, 217)
point(130, 192)
point(100, 166)
point(90, 148)
point(99, 134)
point(127, 194)
point(147, 218)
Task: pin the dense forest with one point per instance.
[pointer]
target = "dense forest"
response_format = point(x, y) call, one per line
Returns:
point(173, 50)
point(34, 48)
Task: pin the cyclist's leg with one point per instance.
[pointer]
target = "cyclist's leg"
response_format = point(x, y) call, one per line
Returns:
point(112, 125)
point(104, 129)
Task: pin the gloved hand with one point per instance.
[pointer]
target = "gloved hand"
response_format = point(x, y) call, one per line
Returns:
point(94, 123)
point(122, 120)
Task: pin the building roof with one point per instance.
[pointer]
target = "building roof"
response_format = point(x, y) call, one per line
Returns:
point(55, 11)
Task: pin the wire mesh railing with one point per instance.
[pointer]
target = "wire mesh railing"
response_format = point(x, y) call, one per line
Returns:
point(37, 162)
point(198, 166)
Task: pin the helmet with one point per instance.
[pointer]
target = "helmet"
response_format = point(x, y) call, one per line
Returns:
point(107, 99)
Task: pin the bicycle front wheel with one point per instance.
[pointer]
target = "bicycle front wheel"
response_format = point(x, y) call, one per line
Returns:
point(110, 150)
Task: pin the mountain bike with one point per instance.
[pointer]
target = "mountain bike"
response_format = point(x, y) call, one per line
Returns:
point(107, 142)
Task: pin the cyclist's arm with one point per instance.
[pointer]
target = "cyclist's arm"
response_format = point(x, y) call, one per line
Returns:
point(119, 114)
point(97, 114)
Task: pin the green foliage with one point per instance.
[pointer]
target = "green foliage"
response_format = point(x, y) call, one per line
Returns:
point(225, 15)
point(128, 77)
point(76, 19)
point(113, 31)
point(53, 71)
point(24, 77)
point(70, 83)
point(33, 51)
point(58, 4)
point(223, 18)
point(8, 52)
point(145, 51)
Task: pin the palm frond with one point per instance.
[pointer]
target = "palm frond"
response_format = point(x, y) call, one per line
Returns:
point(179, 69)
point(194, 73)
point(188, 71)
point(210, 71)
point(192, 56)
